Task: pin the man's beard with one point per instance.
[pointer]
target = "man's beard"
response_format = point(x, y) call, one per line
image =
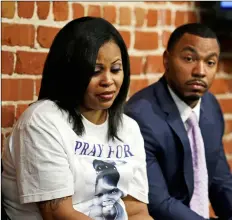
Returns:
point(192, 98)
point(188, 99)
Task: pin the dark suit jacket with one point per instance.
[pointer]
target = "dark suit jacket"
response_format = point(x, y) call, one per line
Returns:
point(169, 160)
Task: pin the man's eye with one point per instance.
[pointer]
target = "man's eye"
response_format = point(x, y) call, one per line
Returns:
point(211, 63)
point(188, 59)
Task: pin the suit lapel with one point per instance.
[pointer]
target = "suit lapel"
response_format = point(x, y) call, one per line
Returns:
point(208, 133)
point(174, 120)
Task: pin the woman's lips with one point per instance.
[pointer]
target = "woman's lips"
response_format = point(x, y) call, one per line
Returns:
point(106, 96)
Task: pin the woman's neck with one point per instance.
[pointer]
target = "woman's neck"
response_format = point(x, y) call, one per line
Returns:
point(95, 116)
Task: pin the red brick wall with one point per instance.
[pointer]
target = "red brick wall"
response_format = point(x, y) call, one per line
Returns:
point(29, 27)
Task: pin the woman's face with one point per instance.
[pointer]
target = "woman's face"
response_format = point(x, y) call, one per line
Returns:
point(105, 84)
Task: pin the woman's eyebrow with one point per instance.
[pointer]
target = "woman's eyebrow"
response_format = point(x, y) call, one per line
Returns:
point(116, 60)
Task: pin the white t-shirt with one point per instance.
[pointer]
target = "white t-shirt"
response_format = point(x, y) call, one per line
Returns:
point(44, 159)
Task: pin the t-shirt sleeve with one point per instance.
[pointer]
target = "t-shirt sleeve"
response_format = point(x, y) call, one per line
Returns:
point(42, 165)
point(138, 187)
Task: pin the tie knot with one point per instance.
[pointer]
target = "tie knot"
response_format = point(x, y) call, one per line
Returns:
point(192, 120)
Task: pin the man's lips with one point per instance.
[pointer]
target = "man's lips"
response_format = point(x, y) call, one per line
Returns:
point(197, 84)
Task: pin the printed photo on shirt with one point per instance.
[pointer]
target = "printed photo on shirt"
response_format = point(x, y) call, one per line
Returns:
point(106, 203)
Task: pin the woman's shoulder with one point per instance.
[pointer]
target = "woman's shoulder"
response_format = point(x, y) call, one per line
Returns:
point(130, 124)
point(42, 110)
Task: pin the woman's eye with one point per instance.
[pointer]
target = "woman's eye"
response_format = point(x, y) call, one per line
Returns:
point(97, 70)
point(116, 70)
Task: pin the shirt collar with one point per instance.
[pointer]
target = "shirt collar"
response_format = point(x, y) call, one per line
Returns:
point(184, 109)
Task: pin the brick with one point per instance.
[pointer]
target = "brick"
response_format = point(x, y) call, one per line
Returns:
point(78, 10)
point(46, 35)
point(146, 40)
point(165, 17)
point(19, 110)
point(8, 116)
point(37, 86)
point(225, 65)
point(180, 18)
point(43, 9)
point(7, 62)
point(8, 9)
point(60, 10)
point(165, 38)
point(109, 13)
point(136, 65)
point(124, 16)
point(153, 80)
point(30, 62)
point(228, 127)
point(17, 89)
point(136, 85)
point(152, 18)
point(221, 86)
point(94, 10)
point(18, 34)
point(226, 105)
point(140, 16)
point(227, 146)
point(25, 9)
point(154, 64)
point(126, 37)
point(191, 17)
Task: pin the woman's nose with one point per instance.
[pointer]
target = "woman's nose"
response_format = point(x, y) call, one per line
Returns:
point(106, 79)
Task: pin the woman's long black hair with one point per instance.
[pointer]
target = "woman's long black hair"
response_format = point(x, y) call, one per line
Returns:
point(70, 65)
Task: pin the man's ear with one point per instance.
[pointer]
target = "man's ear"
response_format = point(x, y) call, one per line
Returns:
point(165, 59)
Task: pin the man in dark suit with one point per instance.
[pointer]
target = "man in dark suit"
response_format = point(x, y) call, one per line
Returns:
point(182, 126)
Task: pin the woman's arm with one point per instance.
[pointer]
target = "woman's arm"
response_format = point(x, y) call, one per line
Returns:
point(136, 210)
point(60, 209)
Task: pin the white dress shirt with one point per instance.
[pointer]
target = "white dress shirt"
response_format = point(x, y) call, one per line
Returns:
point(185, 110)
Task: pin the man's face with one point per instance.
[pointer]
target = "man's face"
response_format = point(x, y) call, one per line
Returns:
point(191, 66)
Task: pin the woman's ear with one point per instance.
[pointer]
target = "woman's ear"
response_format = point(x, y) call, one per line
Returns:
point(165, 59)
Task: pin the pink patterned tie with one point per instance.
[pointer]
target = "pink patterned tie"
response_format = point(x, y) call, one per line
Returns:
point(199, 201)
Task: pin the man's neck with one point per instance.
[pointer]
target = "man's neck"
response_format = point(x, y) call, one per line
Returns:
point(190, 103)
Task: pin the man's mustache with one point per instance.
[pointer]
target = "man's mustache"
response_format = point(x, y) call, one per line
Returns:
point(197, 81)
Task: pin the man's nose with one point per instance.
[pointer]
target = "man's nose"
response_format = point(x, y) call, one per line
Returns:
point(199, 69)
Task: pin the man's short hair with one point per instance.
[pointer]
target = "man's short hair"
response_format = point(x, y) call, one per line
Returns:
point(191, 28)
